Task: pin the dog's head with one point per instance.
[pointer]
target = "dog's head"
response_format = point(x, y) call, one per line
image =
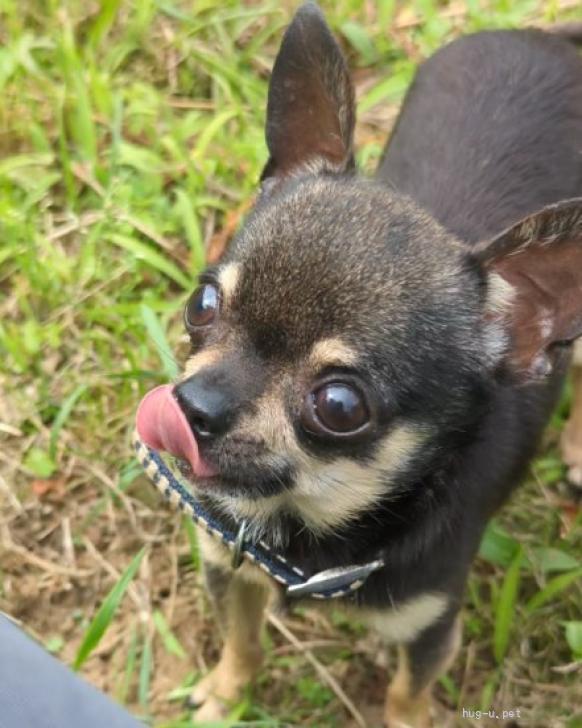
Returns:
point(347, 342)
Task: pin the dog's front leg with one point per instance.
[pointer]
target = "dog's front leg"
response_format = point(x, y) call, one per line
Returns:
point(239, 606)
point(420, 663)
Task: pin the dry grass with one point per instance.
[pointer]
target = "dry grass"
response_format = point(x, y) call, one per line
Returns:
point(131, 137)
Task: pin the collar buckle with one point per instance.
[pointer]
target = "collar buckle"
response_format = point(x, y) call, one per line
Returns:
point(237, 551)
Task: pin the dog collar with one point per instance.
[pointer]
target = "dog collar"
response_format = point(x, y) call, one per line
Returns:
point(329, 584)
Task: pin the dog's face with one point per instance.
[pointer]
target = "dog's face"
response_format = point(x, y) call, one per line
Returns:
point(348, 342)
point(342, 336)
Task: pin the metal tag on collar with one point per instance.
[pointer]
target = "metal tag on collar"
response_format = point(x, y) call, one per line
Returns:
point(237, 555)
point(335, 579)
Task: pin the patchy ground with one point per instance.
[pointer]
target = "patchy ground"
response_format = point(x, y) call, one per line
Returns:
point(131, 140)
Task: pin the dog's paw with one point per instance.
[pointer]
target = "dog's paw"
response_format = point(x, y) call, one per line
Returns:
point(223, 687)
point(395, 722)
point(211, 711)
point(403, 712)
point(207, 705)
point(202, 691)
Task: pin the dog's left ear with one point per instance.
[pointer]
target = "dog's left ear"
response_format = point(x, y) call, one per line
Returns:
point(310, 110)
point(540, 262)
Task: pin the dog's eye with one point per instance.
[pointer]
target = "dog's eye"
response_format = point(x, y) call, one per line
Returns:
point(202, 307)
point(335, 408)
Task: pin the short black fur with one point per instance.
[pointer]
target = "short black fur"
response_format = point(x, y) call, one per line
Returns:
point(453, 326)
point(491, 131)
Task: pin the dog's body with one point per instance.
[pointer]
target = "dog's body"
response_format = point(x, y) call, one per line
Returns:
point(432, 329)
point(495, 118)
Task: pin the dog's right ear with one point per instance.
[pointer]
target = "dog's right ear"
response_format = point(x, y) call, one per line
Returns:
point(310, 110)
point(539, 260)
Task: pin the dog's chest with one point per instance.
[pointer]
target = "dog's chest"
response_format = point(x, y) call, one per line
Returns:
point(401, 622)
point(404, 621)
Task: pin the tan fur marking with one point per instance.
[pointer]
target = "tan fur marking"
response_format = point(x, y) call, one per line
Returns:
point(571, 442)
point(500, 297)
point(228, 279)
point(201, 360)
point(332, 352)
point(500, 294)
point(405, 622)
point(273, 423)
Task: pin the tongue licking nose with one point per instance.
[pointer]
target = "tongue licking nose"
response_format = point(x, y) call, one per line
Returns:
point(162, 425)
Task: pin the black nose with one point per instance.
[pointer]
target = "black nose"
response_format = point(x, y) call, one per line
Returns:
point(207, 404)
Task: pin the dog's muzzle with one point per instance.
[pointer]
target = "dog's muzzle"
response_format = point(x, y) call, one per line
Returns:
point(341, 581)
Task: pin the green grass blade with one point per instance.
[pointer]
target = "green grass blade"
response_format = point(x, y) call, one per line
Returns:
point(551, 559)
point(505, 609)
point(145, 672)
point(451, 687)
point(193, 542)
point(552, 588)
point(227, 723)
point(157, 335)
point(497, 546)
point(103, 21)
point(210, 131)
point(573, 631)
point(24, 161)
point(63, 148)
point(129, 667)
point(80, 117)
point(389, 89)
point(39, 462)
point(360, 40)
point(151, 257)
point(169, 639)
point(106, 611)
point(488, 691)
point(192, 228)
point(62, 417)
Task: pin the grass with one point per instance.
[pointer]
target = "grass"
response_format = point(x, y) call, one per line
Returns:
point(130, 143)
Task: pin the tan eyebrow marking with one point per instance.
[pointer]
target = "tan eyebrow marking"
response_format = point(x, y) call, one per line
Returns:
point(332, 352)
point(228, 279)
point(203, 359)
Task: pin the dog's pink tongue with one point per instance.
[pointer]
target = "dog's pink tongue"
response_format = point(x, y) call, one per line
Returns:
point(162, 425)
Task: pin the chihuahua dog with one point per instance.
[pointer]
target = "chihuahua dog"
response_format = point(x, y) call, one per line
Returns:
point(374, 360)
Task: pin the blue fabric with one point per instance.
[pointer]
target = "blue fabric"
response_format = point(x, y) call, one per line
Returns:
point(37, 691)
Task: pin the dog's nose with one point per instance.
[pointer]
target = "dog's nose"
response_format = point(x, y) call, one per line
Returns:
point(206, 404)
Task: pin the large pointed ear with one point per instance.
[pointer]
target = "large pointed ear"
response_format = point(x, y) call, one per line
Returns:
point(539, 262)
point(310, 110)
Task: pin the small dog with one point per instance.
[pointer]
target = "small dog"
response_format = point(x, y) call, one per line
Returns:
point(374, 360)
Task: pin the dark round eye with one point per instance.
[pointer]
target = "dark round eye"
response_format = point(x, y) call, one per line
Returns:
point(202, 307)
point(336, 407)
